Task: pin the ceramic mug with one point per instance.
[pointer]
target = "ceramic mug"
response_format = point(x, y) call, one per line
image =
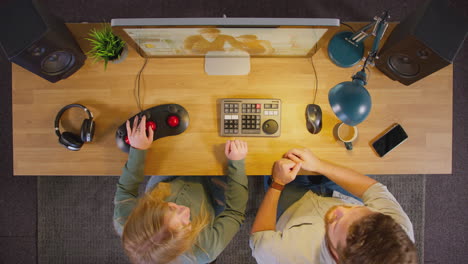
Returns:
point(347, 134)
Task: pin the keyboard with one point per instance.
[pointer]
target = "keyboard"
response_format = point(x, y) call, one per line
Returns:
point(250, 117)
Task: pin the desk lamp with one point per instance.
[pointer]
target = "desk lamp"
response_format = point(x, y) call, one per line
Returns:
point(350, 101)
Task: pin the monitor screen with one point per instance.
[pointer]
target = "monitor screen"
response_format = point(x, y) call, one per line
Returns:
point(194, 37)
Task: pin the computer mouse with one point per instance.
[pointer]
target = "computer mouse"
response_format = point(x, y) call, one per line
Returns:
point(313, 118)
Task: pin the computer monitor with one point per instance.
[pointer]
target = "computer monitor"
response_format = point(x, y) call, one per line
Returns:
point(226, 43)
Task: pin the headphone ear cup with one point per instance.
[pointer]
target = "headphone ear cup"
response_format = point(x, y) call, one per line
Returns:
point(71, 141)
point(87, 130)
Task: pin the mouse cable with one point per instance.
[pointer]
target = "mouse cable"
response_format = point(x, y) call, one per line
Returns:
point(136, 89)
point(315, 73)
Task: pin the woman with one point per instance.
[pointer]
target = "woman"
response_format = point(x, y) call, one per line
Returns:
point(175, 221)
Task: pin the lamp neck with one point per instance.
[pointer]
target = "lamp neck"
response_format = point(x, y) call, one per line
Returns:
point(360, 78)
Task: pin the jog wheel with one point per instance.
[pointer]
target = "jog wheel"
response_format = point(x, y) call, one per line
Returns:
point(270, 126)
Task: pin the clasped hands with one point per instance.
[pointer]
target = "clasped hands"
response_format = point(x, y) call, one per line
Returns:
point(285, 170)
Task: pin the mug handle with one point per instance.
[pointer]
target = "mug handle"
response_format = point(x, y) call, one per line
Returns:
point(348, 145)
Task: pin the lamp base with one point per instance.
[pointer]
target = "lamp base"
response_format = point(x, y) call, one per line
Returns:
point(342, 52)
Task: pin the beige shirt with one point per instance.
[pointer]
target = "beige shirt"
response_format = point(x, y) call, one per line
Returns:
point(300, 231)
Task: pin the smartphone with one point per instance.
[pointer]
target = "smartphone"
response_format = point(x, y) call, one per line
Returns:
point(392, 137)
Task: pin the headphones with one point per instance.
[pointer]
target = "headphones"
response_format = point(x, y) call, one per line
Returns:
point(72, 141)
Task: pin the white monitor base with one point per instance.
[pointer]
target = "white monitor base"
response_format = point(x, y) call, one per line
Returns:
point(227, 63)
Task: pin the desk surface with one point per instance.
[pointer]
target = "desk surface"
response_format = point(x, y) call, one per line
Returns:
point(424, 109)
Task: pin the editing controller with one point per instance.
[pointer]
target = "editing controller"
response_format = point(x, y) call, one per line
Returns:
point(165, 120)
point(250, 117)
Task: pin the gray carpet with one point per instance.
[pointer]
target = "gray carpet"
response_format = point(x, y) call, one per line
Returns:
point(75, 218)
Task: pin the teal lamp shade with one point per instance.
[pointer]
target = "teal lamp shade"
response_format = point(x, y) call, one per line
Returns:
point(350, 101)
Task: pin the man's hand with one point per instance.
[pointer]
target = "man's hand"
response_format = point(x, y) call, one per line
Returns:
point(236, 149)
point(309, 161)
point(285, 171)
point(137, 134)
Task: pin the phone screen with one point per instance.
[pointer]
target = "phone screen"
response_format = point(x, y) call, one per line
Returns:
point(394, 137)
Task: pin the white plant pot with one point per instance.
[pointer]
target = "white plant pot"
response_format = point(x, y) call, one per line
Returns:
point(123, 55)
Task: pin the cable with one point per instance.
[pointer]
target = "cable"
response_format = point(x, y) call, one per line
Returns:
point(315, 72)
point(352, 29)
point(136, 89)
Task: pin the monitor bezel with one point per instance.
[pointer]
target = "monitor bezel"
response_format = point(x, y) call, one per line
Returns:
point(118, 25)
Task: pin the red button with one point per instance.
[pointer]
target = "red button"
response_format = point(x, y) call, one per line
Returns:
point(126, 140)
point(258, 106)
point(173, 121)
point(151, 124)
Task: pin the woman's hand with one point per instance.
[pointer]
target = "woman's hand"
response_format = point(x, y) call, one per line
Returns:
point(137, 134)
point(236, 149)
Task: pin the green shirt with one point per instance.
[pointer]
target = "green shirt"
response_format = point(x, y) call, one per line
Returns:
point(189, 191)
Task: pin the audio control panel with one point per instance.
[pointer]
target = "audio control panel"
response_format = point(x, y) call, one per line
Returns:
point(250, 117)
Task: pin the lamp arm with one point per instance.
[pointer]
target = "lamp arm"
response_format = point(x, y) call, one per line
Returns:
point(379, 31)
point(361, 34)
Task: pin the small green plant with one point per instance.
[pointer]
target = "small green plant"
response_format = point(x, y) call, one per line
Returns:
point(105, 45)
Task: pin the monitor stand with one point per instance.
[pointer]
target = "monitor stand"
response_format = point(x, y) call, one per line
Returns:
point(227, 63)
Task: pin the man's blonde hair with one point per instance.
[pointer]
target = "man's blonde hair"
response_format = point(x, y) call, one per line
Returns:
point(147, 239)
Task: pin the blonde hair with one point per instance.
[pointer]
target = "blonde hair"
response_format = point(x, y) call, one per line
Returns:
point(147, 239)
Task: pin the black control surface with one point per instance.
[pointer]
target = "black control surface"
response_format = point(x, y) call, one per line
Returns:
point(168, 119)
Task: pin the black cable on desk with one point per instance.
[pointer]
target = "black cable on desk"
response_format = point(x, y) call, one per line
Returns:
point(347, 25)
point(136, 89)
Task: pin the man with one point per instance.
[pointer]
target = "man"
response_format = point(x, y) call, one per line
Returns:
point(316, 229)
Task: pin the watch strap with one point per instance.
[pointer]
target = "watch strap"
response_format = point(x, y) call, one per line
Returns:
point(276, 185)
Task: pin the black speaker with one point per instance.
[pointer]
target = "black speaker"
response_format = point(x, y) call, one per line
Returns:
point(423, 43)
point(38, 41)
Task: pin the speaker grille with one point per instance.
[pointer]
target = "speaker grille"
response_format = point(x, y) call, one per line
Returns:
point(57, 62)
point(403, 65)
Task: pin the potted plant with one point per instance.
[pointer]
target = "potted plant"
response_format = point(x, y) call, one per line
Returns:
point(106, 46)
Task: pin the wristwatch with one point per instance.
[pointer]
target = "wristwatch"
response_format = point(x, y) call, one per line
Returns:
point(276, 185)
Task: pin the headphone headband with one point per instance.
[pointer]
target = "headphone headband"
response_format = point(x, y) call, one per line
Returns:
point(65, 108)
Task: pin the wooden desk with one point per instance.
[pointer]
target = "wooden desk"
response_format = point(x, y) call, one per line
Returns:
point(424, 110)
